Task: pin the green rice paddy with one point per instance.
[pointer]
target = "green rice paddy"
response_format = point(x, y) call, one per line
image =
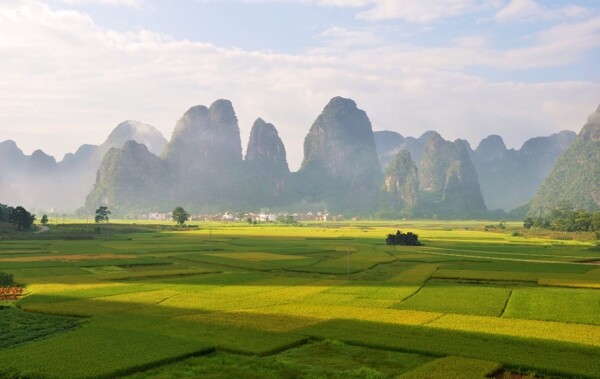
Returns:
point(316, 301)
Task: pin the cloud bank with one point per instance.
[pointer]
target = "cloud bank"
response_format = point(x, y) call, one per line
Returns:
point(66, 81)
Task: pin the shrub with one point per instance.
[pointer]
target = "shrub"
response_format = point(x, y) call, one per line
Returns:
point(6, 279)
point(405, 239)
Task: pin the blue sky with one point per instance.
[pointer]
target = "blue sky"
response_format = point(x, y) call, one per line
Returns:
point(71, 70)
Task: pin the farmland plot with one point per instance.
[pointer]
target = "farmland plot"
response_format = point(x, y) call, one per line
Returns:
point(315, 301)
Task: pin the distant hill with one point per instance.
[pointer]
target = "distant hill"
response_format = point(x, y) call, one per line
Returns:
point(508, 178)
point(347, 168)
point(266, 173)
point(448, 182)
point(340, 167)
point(204, 158)
point(400, 189)
point(575, 179)
point(40, 182)
point(130, 178)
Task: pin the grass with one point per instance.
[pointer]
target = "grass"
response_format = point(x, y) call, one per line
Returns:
point(328, 359)
point(457, 298)
point(271, 301)
point(555, 358)
point(555, 304)
point(19, 327)
point(454, 367)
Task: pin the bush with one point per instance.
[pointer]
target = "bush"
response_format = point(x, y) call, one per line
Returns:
point(405, 239)
point(6, 279)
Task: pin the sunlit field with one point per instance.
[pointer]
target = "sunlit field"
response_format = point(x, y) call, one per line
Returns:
point(324, 300)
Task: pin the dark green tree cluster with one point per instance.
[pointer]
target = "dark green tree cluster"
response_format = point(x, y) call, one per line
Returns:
point(17, 215)
point(6, 279)
point(403, 239)
point(565, 218)
point(102, 214)
point(180, 216)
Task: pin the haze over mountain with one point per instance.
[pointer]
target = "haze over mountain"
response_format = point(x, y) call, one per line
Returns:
point(130, 176)
point(38, 181)
point(400, 189)
point(204, 157)
point(508, 178)
point(266, 175)
point(575, 179)
point(202, 169)
point(340, 166)
point(448, 180)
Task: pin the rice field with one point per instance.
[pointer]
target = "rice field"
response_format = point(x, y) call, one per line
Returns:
point(314, 301)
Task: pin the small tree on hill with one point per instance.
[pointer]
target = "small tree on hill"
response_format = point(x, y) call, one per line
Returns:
point(102, 214)
point(44, 219)
point(180, 216)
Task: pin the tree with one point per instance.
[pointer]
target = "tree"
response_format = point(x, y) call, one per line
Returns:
point(528, 223)
point(44, 219)
point(21, 218)
point(405, 239)
point(102, 214)
point(4, 212)
point(6, 279)
point(180, 216)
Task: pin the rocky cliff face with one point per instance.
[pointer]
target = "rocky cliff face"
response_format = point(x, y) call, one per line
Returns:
point(340, 166)
point(128, 178)
point(388, 144)
point(575, 179)
point(462, 192)
point(206, 139)
point(448, 180)
point(204, 157)
point(78, 170)
point(267, 172)
point(265, 149)
point(510, 178)
point(400, 187)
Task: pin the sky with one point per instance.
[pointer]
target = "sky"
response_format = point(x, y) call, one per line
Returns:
point(71, 70)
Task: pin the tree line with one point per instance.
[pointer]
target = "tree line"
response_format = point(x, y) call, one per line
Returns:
point(567, 219)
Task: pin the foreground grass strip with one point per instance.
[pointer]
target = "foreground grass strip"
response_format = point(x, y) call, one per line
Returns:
point(329, 359)
point(96, 352)
point(454, 367)
point(221, 337)
point(557, 331)
point(17, 326)
point(520, 353)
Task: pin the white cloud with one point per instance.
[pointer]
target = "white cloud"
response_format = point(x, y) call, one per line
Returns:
point(422, 11)
point(417, 11)
point(126, 3)
point(529, 10)
point(66, 81)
